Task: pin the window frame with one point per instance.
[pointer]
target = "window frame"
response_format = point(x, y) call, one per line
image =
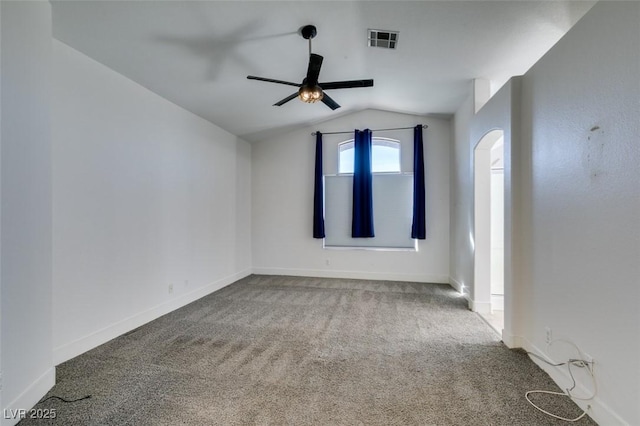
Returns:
point(375, 141)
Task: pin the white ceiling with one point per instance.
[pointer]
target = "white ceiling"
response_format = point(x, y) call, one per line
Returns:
point(198, 54)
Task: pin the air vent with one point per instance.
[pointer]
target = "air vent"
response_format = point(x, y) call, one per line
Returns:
point(383, 38)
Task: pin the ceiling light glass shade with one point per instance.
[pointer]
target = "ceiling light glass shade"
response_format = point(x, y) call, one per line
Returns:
point(310, 94)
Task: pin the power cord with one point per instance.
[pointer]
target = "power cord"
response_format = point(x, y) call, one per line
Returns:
point(65, 400)
point(576, 362)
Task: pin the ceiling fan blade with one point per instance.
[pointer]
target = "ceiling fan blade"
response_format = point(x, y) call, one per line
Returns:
point(270, 80)
point(326, 99)
point(345, 84)
point(287, 99)
point(315, 62)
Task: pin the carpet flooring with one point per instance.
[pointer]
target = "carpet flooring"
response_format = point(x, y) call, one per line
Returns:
point(308, 351)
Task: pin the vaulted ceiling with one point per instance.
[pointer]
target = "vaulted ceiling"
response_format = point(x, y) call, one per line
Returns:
point(198, 54)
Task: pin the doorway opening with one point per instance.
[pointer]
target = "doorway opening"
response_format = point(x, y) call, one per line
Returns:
point(489, 229)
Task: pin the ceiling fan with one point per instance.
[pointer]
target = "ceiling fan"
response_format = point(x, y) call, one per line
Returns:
point(310, 89)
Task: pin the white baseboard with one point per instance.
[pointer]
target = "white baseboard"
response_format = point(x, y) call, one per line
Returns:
point(480, 307)
point(363, 275)
point(457, 285)
point(98, 337)
point(29, 397)
point(511, 341)
point(598, 411)
point(461, 288)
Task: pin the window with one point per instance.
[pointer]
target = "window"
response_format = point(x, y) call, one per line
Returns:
point(385, 156)
point(392, 199)
point(392, 212)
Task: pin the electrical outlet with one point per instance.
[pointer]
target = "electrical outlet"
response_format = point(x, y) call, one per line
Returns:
point(327, 262)
point(170, 288)
point(548, 335)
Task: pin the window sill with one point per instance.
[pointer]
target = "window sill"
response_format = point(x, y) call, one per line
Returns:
point(413, 249)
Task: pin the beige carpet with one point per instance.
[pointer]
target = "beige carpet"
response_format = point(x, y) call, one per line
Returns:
point(303, 351)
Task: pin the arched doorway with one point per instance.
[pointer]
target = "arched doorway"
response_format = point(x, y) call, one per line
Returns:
point(488, 294)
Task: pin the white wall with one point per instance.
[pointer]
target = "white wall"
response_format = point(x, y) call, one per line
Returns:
point(461, 177)
point(283, 201)
point(497, 232)
point(25, 281)
point(497, 219)
point(145, 195)
point(1, 404)
point(582, 103)
point(501, 112)
point(242, 212)
point(576, 203)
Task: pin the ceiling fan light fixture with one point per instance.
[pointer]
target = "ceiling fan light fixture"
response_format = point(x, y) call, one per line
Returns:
point(310, 94)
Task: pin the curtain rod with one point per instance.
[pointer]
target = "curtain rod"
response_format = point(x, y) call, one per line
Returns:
point(424, 126)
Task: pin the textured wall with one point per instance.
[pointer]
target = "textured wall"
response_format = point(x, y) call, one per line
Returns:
point(575, 198)
point(581, 104)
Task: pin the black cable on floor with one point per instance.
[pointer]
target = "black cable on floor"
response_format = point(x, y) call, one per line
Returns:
point(66, 400)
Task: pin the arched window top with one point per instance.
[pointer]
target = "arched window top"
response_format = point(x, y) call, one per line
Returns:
point(385, 156)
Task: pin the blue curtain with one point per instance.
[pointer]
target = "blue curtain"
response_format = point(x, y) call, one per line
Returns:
point(418, 228)
point(318, 192)
point(362, 219)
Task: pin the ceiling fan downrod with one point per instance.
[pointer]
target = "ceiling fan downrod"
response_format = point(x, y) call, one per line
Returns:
point(308, 32)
